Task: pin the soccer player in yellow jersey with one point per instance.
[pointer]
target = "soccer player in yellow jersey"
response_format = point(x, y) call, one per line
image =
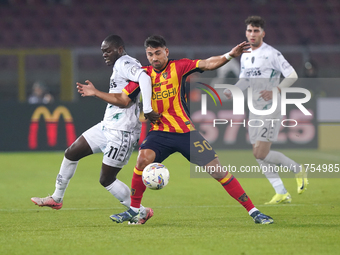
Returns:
point(173, 131)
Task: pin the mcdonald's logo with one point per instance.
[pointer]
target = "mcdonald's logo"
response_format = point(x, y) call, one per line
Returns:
point(51, 126)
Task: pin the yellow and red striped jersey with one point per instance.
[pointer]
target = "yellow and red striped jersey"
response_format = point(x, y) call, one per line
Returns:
point(168, 95)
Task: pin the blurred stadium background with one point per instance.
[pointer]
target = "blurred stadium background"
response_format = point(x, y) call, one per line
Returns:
point(58, 43)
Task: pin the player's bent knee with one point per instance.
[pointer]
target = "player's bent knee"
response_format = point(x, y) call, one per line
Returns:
point(145, 157)
point(218, 175)
point(142, 163)
point(104, 181)
point(79, 149)
point(68, 153)
point(215, 169)
point(259, 154)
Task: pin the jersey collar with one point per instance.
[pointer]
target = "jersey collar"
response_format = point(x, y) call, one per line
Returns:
point(163, 68)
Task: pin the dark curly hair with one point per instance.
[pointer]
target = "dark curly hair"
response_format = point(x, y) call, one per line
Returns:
point(255, 21)
point(155, 41)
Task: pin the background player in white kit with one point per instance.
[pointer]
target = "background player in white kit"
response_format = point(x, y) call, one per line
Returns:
point(261, 70)
point(116, 135)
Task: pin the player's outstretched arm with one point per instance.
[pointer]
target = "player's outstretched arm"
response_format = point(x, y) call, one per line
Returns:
point(117, 99)
point(215, 62)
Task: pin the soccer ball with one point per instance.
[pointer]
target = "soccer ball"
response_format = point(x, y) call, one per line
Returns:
point(155, 176)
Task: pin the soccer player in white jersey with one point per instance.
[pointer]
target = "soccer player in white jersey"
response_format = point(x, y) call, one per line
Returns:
point(261, 70)
point(116, 135)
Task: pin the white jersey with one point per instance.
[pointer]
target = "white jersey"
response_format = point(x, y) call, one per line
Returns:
point(261, 69)
point(125, 69)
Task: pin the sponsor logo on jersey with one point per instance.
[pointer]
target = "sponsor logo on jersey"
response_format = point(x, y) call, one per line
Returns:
point(253, 71)
point(160, 84)
point(164, 94)
point(113, 84)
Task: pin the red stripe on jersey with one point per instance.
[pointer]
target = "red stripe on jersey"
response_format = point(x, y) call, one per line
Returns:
point(163, 119)
point(181, 84)
point(160, 126)
point(167, 95)
point(182, 108)
point(158, 76)
point(178, 119)
point(167, 122)
point(160, 107)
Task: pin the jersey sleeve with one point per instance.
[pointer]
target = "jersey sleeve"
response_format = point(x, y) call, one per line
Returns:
point(188, 66)
point(280, 63)
point(132, 89)
point(130, 68)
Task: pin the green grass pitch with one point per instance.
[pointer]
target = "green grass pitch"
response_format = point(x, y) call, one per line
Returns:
point(192, 215)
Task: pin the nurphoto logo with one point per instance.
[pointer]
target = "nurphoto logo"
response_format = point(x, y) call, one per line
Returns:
point(238, 105)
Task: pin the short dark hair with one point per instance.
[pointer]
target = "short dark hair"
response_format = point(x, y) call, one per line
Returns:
point(115, 40)
point(255, 21)
point(155, 41)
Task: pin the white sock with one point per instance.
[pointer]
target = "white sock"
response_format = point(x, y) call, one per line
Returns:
point(66, 172)
point(272, 177)
point(120, 191)
point(275, 157)
point(253, 210)
point(142, 211)
point(135, 209)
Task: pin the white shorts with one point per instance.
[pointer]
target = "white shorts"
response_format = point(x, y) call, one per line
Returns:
point(264, 129)
point(117, 145)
